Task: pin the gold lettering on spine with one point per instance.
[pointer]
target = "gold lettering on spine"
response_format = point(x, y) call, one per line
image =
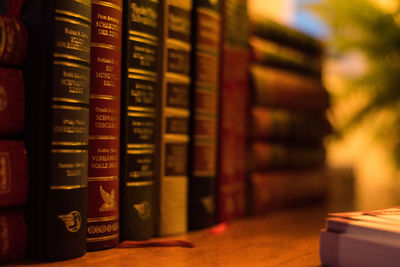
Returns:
point(144, 15)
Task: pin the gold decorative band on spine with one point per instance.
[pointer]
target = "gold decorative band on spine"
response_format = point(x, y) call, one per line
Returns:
point(84, 2)
point(154, 1)
point(56, 143)
point(103, 219)
point(183, 138)
point(107, 4)
point(140, 151)
point(71, 14)
point(143, 34)
point(103, 137)
point(72, 21)
point(209, 12)
point(105, 178)
point(141, 174)
point(68, 151)
point(67, 56)
point(69, 64)
point(143, 109)
point(67, 187)
point(69, 100)
point(105, 46)
point(140, 146)
point(142, 40)
point(178, 45)
point(144, 72)
point(104, 97)
point(140, 77)
point(176, 113)
point(103, 238)
point(143, 183)
point(137, 114)
point(183, 79)
point(70, 107)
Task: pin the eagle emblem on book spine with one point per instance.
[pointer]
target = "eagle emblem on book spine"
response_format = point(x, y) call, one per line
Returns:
point(143, 210)
point(72, 221)
point(110, 200)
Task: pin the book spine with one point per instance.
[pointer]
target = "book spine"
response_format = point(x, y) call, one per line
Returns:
point(266, 156)
point(104, 126)
point(283, 89)
point(13, 236)
point(12, 101)
point(278, 189)
point(205, 88)
point(174, 119)
point(233, 110)
point(13, 173)
point(57, 75)
point(14, 41)
point(139, 108)
point(288, 126)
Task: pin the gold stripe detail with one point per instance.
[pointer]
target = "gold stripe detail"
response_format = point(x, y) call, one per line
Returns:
point(103, 219)
point(72, 21)
point(67, 187)
point(67, 151)
point(107, 4)
point(137, 114)
point(103, 137)
point(183, 79)
point(140, 151)
point(130, 108)
point(105, 46)
point(178, 45)
point(105, 178)
point(140, 146)
point(94, 239)
point(69, 107)
point(142, 34)
point(140, 77)
point(70, 57)
point(141, 174)
point(55, 143)
point(104, 97)
point(154, 1)
point(143, 183)
point(69, 64)
point(142, 40)
point(145, 72)
point(177, 137)
point(68, 100)
point(209, 12)
point(84, 2)
point(71, 14)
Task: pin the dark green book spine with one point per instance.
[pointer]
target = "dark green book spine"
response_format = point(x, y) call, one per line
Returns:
point(139, 92)
point(204, 102)
point(57, 76)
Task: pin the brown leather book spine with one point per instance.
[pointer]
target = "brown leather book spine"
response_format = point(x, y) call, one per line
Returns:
point(13, 236)
point(104, 129)
point(12, 101)
point(13, 173)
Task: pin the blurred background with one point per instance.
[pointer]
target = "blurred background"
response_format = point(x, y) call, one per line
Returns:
point(360, 150)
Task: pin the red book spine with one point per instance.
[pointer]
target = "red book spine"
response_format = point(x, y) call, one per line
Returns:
point(12, 101)
point(13, 236)
point(13, 174)
point(13, 42)
point(233, 111)
point(104, 131)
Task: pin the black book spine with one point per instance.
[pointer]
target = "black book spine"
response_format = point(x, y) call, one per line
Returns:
point(139, 97)
point(204, 103)
point(57, 77)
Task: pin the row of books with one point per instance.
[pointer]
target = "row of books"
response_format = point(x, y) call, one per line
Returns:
point(136, 121)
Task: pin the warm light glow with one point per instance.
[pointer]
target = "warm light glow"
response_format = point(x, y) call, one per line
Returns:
point(280, 10)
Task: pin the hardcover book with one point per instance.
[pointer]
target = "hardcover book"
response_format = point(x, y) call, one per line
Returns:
point(104, 126)
point(173, 124)
point(12, 101)
point(13, 173)
point(13, 236)
point(14, 41)
point(140, 95)
point(283, 89)
point(57, 77)
point(203, 124)
point(233, 109)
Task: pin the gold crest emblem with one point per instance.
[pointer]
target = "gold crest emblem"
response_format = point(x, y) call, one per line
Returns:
point(208, 203)
point(3, 98)
point(73, 221)
point(110, 201)
point(143, 209)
